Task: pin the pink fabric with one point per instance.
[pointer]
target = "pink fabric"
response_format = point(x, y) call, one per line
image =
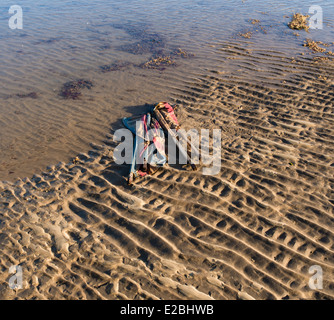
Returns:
point(171, 112)
point(141, 154)
point(141, 173)
point(158, 143)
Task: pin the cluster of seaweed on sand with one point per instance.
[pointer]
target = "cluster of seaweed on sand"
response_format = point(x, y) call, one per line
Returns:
point(147, 42)
point(246, 35)
point(142, 47)
point(254, 21)
point(299, 22)
point(321, 59)
point(315, 46)
point(72, 89)
point(256, 27)
point(158, 63)
point(161, 62)
point(181, 53)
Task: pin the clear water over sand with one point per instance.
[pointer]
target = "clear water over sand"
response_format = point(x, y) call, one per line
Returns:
point(251, 231)
point(62, 41)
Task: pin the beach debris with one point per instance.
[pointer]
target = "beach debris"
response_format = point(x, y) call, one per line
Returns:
point(181, 53)
point(158, 63)
point(148, 42)
point(72, 89)
point(149, 151)
point(161, 62)
point(140, 33)
point(246, 35)
point(144, 161)
point(321, 59)
point(299, 22)
point(254, 21)
point(314, 45)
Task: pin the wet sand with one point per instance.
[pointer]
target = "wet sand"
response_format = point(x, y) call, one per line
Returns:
point(253, 230)
point(250, 232)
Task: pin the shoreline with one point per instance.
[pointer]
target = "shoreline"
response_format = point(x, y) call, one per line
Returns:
point(253, 230)
point(256, 230)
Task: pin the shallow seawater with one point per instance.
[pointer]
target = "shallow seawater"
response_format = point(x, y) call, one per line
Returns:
point(105, 48)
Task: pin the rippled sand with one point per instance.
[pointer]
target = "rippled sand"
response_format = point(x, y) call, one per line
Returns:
point(252, 231)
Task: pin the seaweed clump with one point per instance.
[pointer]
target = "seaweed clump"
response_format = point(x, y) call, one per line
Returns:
point(72, 89)
point(254, 21)
point(299, 22)
point(314, 46)
point(181, 53)
point(321, 59)
point(148, 43)
point(246, 35)
point(159, 63)
point(142, 47)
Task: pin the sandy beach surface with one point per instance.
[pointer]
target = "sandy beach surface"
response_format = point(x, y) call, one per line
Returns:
point(253, 231)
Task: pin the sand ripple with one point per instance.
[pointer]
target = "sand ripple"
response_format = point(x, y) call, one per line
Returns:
point(252, 231)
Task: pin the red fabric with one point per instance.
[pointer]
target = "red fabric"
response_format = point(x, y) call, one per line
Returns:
point(141, 173)
point(171, 112)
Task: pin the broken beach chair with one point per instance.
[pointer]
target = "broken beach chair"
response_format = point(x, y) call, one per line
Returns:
point(166, 116)
point(149, 132)
point(149, 146)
